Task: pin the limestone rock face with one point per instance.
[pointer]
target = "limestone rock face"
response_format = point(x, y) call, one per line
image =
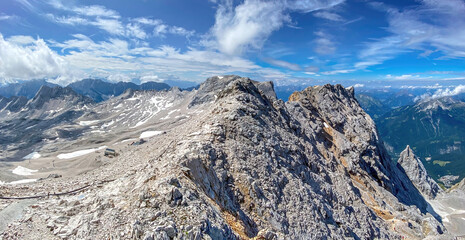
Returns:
point(417, 173)
point(249, 166)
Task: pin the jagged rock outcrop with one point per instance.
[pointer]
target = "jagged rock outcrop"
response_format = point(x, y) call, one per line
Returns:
point(66, 97)
point(417, 173)
point(249, 166)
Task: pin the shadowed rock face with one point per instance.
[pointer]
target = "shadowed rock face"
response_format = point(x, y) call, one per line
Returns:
point(417, 173)
point(12, 104)
point(252, 166)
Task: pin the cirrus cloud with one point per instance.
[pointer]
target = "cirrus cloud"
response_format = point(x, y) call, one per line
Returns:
point(249, 24)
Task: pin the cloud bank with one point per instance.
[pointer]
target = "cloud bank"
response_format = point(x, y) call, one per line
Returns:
point(24, 58)
point(442, 93)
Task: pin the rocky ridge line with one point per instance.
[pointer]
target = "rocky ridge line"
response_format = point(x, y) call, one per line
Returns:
point(251, 166)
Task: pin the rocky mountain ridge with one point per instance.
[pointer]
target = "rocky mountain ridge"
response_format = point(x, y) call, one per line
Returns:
point(235, 162)
point(100, 90)
point(417, 174)
point(96, 89)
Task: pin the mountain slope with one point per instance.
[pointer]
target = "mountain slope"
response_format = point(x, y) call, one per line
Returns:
point(434, 129)
point(26, 124)
point(247, 165)
point(374, 107)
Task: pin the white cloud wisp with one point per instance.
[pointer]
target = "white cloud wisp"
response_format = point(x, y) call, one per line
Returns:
point(249, 24)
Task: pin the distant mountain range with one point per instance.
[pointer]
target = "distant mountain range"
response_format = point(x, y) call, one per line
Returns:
point(27, 89)
point(435, 129)
point(98, 90)
point(378, 102)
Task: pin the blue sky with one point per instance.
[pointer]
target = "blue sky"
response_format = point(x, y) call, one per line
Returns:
point(287, 41)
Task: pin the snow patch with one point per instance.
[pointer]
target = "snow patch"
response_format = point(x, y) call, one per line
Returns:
point(88, 123)
point(326, 125)
point(169, 113)
point(22, 171)
point(220, 77)
point(79, 153)
point(128, 140)
point(107, 124)
point(148, 134)
point(97, 131)
point(33, 155)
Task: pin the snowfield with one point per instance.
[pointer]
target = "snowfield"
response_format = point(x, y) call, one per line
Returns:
point(33, 155)
point(79, 153)
point(88, 123)
point(23, 171)
point(148, 134)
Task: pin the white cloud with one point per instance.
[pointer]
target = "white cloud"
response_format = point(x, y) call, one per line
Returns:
point(150, 78)
point(118, 77)
point(403, 77)
point(249, 24)
point(413, 29)
point(377, 52)
point(5, 17)
point(180, 31)
point(111, 22)
point(311, 73)
point(96, 11)
point(73, 20)
point(134, 29)
point(442, 93)
point(306, 6)
point(449, 92)
point(359, 85)
point(283, 64)
point(112, 26)
point(324, 44)
point(27, 5)
point(334, 72)
point(117, 59)
point(20, 39)
point(329, 16)
point(148, 21)
point(162, 29)
point(34, 60)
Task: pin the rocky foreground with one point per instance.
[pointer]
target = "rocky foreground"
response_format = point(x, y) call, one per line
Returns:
point(249, 166)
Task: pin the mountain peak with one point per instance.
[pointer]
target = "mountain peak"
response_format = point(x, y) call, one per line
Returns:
point(416, 172)
point(46, 94)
